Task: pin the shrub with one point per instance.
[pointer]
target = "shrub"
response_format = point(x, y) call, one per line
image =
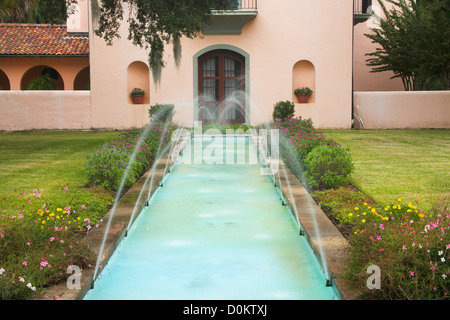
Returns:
point(328, 167)
point(107, 167)
point(161, 113)
point(45, 82)
point(283, 110)
point(298, 138)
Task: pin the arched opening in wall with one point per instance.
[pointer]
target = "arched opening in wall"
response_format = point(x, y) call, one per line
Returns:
point(4, 81)
point(41, 78)
point(82, 80)
point(304, 75)
point(138, 76)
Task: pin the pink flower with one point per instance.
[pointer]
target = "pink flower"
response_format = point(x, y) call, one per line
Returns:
point(404, 247)
point(411, 273)
point(83, 207)
point(24, 263)
point(66, 188)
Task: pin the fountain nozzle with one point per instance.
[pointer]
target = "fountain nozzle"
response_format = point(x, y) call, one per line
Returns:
point(329, 283)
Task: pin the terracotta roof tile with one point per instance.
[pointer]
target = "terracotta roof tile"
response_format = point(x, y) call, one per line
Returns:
point(41, 40)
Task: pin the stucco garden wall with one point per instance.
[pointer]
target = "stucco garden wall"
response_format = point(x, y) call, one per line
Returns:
point(403, 109)
point(53, 110)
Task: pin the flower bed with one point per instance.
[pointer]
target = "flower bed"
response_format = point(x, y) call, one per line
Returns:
point(42, 237)
point(411, 248)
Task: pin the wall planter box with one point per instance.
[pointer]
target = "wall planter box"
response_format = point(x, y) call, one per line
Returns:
point(302, 98)
point(138, 99)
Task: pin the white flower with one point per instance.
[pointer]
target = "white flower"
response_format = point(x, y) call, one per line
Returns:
point(2, 270)
point(440, 253)
point(443, 259)
point(21, 279)
point(29, 285)
point(444, 276)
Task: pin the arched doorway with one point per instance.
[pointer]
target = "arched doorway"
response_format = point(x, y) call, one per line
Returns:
point(221, 87)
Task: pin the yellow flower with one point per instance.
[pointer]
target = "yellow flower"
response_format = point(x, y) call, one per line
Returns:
point(350, 214)
point(59, 209)
point(399, 199)
point(43, 221)
point(365, 203)
point(373, 210)
point(364, 213)
point(363, 220)
point(356, 208)
point(421, 215)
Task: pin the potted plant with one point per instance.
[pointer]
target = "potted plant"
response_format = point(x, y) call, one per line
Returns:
point(137, 94)
point(303, 94)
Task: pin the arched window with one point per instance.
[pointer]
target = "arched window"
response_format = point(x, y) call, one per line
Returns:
point(304, 75)
point(82, 80)
point(4, 81)
point(138, 77)
point(40, 72)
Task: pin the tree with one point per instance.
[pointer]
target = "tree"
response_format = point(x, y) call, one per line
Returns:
point(17, 11)
point(154, 23)
point(52, 11)
point(35, 11)
point(414, 42)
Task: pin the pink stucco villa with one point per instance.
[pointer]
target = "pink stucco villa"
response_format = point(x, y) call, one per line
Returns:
point(250, 58)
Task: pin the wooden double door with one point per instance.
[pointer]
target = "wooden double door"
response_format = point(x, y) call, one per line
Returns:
point(221, 93)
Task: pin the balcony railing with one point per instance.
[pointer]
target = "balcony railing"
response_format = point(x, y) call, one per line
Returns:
point(243, 4)
point(362, 10)
point(362, 6)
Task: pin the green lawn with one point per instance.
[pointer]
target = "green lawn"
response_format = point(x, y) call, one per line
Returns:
point(46, 160)
point(399, 163)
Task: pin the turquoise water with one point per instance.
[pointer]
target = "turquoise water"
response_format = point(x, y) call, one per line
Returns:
point(213, 232)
